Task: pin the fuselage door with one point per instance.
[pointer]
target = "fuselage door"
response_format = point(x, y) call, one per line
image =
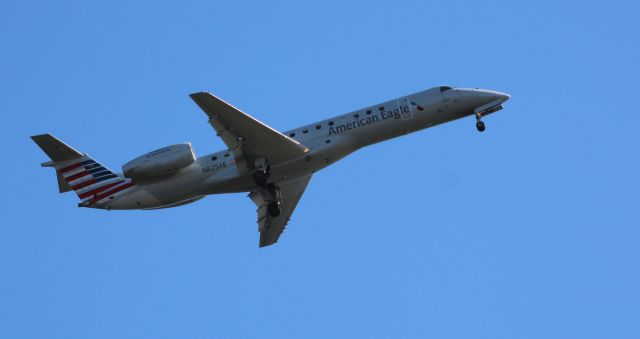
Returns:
point(406, 109)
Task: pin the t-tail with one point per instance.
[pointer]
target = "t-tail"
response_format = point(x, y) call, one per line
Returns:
point(77, 171)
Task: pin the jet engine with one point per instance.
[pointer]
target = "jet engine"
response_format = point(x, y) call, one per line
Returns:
point(164, 161)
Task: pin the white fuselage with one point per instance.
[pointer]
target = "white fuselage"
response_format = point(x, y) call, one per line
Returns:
point(328, 141)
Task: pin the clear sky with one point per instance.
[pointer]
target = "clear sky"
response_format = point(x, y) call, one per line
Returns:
point(528, 230)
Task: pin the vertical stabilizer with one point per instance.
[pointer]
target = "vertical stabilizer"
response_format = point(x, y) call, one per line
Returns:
point(57, 150)
point(78, 172)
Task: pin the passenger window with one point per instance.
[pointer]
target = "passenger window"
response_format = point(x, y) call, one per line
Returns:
point(356, 115)
point(368, 111)
point(318, 126)
point(214, 158)
point(330, 123)
point(292, 135)
point(381, 108)
point(305, 130)
point(226, 155)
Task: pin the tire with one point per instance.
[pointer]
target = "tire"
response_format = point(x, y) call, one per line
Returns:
point(260, 178)
point(274, 209)
point(480, 126)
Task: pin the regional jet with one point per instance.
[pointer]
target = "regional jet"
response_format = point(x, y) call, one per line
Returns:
point(273, 167)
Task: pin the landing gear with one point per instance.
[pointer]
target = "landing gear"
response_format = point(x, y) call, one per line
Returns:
point(268, 194)
point(479, 124)
point(274, 209)
point(274, 206)
point(261, 175)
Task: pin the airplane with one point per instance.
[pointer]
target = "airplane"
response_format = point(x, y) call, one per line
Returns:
point(273, 167)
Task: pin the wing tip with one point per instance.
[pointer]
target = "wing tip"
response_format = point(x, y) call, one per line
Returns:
point(266, 242)
point(196, 95)
point(40, 136)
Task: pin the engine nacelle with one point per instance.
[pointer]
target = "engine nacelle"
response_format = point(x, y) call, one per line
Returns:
point(164, 161)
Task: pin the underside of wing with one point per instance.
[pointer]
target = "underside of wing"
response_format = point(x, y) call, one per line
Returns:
point(271, 227)
point(237, 128)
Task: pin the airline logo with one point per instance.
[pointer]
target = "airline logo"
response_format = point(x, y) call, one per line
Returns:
point(93, 182)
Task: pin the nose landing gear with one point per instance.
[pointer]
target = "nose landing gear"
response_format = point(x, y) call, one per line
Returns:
point(479, 124)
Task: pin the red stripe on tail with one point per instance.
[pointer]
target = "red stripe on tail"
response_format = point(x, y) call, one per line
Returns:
point(112, 191)
point(98, 190)
point(77, 176)
point(69, 168)
point(83, 184)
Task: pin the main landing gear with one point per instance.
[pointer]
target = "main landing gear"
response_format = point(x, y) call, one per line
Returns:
point(479, 124)
point(262, 173)
point(260, 177)
point(271, 192)
point(276, 198)
point(274, 206)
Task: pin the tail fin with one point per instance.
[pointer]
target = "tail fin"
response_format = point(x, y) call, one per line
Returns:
point(76, 171)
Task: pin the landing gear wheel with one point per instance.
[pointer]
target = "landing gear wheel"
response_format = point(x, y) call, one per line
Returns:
point(262, 173)
point(272, 189)
point(480, 126)
point(260, 178)
point(274, 209)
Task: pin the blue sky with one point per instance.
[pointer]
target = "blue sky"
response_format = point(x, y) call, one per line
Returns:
point(529, 230)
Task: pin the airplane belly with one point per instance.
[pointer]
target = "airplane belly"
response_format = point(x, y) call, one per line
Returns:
point(136, 199)
point(324, 151)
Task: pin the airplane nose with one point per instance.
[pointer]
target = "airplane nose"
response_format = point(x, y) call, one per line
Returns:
point(496, 96)
point(479, 98)
point(502, 96)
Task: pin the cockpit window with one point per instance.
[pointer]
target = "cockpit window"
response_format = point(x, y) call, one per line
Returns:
point(444, 88)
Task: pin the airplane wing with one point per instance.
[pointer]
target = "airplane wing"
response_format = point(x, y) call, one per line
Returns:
point(271, 227)
point(237, 128)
